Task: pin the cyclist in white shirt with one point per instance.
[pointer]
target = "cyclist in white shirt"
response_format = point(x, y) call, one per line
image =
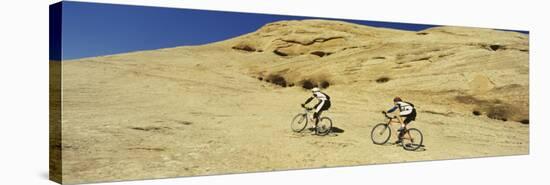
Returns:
point(406, 110)
point(322, 104)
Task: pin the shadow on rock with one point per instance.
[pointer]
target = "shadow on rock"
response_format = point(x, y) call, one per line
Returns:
point(336, 130)
point(332, 130)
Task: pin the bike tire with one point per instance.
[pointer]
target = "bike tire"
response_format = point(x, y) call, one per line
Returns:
point(324, 126)
point(299, 122)
point(380, 134)
point(416, 141)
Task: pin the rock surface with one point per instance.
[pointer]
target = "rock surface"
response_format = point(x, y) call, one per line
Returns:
point(226, 107)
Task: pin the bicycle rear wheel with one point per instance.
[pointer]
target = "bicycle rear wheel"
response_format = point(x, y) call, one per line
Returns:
point(380, 134)
point(412, 139)
point(324, 126)
point(299, 122)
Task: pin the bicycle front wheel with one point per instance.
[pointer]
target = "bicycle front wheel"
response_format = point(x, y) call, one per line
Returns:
point(412, 139)
point(324, 126)
point(380, 134)
point(299, 122)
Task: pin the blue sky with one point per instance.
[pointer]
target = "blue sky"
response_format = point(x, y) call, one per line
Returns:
point(92, 29)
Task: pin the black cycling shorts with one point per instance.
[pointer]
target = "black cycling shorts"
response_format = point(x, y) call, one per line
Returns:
point(410, 117)
point(326, 105)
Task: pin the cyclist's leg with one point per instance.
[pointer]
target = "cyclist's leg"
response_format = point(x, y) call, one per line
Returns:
point(317, 115)
point(319, 108)
point(316, 120)
point(402, 124)
point(407, 120)
point(400, 132)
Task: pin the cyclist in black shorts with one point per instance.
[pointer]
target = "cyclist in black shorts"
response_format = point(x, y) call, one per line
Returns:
point(322, 104)
point(406, 110)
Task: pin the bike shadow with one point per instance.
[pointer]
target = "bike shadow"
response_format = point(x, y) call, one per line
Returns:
point(332, 130)
point(336, 130)
point(421, 149)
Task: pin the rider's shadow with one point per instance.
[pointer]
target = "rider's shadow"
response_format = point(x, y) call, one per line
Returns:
point(336, 130)
point(332, 130)
point(421, 149)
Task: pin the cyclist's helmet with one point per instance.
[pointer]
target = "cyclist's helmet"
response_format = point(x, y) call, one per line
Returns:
point(315, 89)
point(397, 99)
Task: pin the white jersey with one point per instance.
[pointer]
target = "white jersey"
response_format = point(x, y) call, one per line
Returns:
point(320, 96)
point(405, 108)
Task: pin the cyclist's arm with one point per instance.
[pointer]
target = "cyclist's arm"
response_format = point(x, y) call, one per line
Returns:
point(308, 100)
point(392, 109)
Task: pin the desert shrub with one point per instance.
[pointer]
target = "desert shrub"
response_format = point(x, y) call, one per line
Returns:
point(382, 80)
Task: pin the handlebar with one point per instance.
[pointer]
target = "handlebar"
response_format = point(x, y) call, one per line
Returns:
point(307, 108)
point(387, 116)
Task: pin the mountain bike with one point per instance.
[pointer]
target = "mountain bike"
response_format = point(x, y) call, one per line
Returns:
point(300, 121)
point(411, 139)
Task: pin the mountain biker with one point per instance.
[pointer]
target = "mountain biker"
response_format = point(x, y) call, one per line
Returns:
point(405, 109)
point(322, 104)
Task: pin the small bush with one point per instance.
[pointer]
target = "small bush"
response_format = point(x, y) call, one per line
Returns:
point(324, 84)
point(498, 113)
point(382, 80)
point(476, 112)
point(277, 80)
point(524, 121)
point(308, 84)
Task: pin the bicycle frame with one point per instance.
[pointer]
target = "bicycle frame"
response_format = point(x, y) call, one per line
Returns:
point(321, 127)
point(309, 114)
point(391, 120)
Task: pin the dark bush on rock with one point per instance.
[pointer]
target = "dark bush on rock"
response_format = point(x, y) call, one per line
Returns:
point(382, 80)
point(308, 84)
point(244, 47)
point(524, 121)
point(324, 84)
point(277, 80)
point(320, 53)
point(498, 113)
point(476, 112)
point(495, 47)
point(280, 53)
